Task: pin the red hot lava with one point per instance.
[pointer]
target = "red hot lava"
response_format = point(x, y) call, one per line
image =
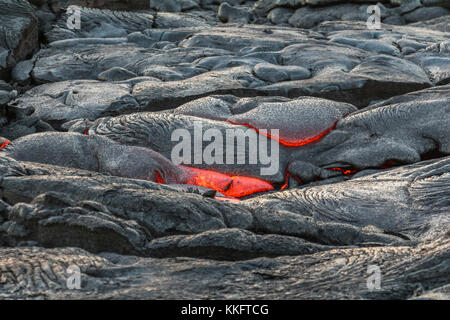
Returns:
point(346, 172)
point(286, 181)
point(240, 186)
point(234, 186)
point(297, 143)
point(4, 144)
point(158, 177)
point(230, 186)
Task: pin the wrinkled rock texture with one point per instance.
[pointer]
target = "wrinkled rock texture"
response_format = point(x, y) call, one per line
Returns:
point(86, 120)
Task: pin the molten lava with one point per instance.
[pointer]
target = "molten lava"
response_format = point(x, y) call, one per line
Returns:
point(240, 186)
point(4, 144)
point(347, 172)
point(286, 181)
point(158, 177)
point(230, 186)
point(297, 143)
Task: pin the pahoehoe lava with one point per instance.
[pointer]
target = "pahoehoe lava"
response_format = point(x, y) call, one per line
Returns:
point(354, 122)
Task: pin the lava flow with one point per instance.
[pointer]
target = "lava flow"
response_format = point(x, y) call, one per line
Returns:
point(159, 179)
point(346, 172)
point(286, 181)
point(240, 186)
point(297, 143)
point(230, 186)
point(4, 144)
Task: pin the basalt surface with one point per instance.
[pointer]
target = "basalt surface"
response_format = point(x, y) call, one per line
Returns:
point(337, 156)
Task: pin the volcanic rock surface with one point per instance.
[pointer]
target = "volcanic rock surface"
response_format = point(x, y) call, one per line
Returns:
point(356, 123)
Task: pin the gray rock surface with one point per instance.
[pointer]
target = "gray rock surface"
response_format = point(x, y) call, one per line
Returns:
point(68, 100)
point(98, 23)
point(402, 129)
point(227, 13)
point(361, 179)
point(18, 34)
point(309, 14)
point(57, 5)
point(337, 61)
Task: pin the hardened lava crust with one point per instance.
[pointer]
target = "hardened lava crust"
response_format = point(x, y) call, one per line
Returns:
point(355, 121)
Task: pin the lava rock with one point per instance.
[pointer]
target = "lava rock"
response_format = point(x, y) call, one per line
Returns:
point(94, 153)
point(184, 278)
point(360, 175)
point(299, 120)
point(100, 24)
point(273, 73)
point(227, 13)
point(60, 102)
point(58, 5)
point(376, 200)
point(19, 36)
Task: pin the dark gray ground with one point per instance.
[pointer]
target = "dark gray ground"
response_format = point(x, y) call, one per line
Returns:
point(89, 115)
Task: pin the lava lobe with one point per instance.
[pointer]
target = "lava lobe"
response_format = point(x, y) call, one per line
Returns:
point(230, 186)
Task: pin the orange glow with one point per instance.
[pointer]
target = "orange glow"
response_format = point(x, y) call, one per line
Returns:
point(347, 172)
point(158, 177)
point(389, 164)
point(230, 186)
point(4, 144)
point(286, 181)
point(297, 143)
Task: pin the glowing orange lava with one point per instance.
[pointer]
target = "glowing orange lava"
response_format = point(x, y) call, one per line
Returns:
point(347, 172)
point(230, 186)
point(158, 177)
point(286, 181)
point(4, 144)
point(297, 143)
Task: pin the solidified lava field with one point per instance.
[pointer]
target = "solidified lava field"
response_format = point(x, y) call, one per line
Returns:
point(207, 149)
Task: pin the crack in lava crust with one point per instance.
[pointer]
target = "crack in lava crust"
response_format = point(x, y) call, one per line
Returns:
point(296, 143)
point(345, 172)
point(4, 144)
